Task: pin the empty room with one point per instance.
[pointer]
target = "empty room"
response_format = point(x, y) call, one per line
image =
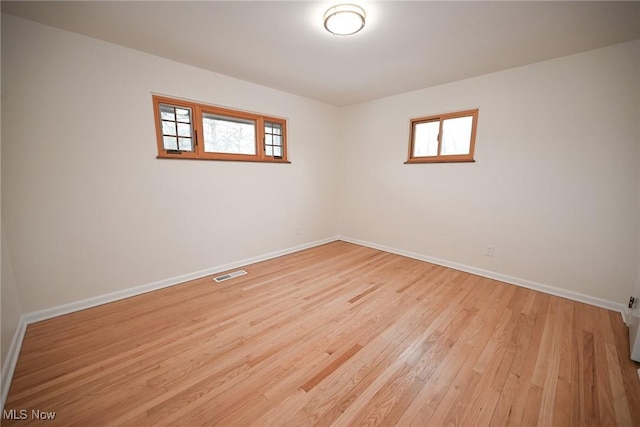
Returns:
point(287, 213)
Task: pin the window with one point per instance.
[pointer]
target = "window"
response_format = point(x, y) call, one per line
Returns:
point(444, 138)
point(273, 144)
point(188, 130)
point(177, 127)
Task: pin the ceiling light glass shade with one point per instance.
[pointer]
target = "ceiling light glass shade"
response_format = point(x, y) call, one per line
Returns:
point(344, 19)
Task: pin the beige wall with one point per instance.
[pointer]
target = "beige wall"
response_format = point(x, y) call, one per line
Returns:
point(554, 188)
point(89, 210)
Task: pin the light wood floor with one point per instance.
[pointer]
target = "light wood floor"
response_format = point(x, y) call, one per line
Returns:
point(338, 334)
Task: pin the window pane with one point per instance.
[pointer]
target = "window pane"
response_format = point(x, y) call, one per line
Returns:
point(277, 151)
point(269, 150)
point(277, 140)
point(456, 135)
point(425, 139)
point(167, 112)
point(168, 128)
point(228, 135)
point(183, 115)
point(185, 144)
point(184, 129)
point(170, 142)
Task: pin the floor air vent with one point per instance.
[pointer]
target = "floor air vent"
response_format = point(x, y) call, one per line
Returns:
point(229, 276)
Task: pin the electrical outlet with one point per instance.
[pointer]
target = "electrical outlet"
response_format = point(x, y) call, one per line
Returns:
point(488, 251)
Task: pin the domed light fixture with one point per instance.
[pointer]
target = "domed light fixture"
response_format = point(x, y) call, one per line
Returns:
point(344, 19)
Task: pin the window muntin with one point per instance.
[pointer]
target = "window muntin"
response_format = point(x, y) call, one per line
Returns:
point(443, 138)
point(189, 130)
point(177, 127)
point(273, 139)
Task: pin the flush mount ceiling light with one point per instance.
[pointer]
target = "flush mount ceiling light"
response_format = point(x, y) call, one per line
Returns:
point(344, 19)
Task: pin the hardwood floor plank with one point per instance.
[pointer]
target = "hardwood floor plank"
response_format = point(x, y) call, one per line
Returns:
point(531, 323)
point(338, 334)
point(549, 388)
point(502, 412)
point(562, 412)
point(605, 396)
point(590, 386)
point(335, 364)
point(621, 338)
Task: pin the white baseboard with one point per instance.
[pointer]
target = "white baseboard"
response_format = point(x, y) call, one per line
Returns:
point(25, 320)
point(12, 358)
point(14, 350)
point(575, 296)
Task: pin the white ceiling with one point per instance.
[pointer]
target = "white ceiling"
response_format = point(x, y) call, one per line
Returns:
point(404, 46)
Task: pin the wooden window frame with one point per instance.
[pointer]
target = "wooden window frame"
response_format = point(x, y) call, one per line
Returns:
point(198, 139)
point(439, 158)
